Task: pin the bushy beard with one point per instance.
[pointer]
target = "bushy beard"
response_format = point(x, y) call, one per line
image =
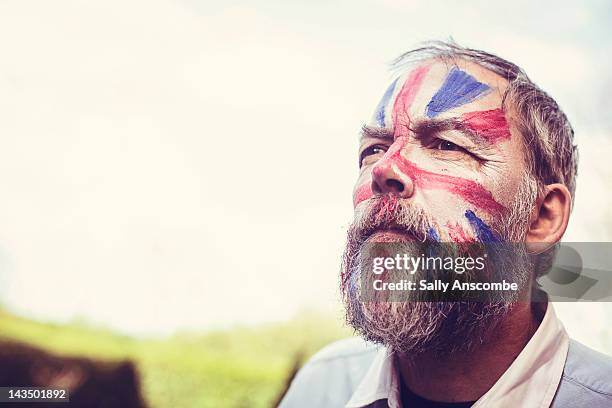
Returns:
point(415, 325)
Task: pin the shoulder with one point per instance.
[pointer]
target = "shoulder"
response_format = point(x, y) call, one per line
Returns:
point(587, 377)
point(345, 349)
point(330, 377)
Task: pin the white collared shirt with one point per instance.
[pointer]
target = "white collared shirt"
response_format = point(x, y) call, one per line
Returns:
point(530, 381)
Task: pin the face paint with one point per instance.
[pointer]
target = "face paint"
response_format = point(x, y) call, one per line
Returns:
point(458, 89)
point(457, 234)
point(481, 229)
point(490, 124)
point(382, 105)
point(363, 192)
point(432, 234)
point(469, 190)
point(401, 118)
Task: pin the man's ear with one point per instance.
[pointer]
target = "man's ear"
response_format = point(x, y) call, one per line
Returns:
point(549, 218)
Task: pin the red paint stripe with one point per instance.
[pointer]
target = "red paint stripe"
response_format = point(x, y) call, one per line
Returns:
point(401, 107)
point(469, 190)
point(491, 124)
point(363, 192)
point(457, 234)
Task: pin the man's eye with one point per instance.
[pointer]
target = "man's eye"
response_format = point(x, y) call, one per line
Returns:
point(374, 150)
point(370, 152)
point(446, 145)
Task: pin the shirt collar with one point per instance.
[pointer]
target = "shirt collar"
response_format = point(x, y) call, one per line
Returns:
point(531, 380)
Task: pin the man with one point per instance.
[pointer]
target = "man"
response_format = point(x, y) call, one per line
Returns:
point(463, 148)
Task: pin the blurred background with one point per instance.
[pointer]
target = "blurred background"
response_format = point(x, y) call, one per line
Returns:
point(176, 176)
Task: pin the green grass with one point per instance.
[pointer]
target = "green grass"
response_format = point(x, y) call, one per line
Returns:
point(239, 367)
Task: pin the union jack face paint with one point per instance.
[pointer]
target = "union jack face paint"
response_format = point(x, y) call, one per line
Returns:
point(441, 134)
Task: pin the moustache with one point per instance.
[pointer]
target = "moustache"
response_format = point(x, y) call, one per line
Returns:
point(388, 213)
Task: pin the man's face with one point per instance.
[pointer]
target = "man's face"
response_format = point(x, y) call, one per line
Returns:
point(439, 162)
point(440, 136)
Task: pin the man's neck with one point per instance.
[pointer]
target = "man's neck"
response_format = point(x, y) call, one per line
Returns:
point(466, 376)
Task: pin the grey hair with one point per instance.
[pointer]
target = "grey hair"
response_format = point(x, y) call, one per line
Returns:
point(548, 137)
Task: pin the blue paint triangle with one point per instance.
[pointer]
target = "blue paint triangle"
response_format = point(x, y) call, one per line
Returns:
point(482, 230)
point(380, 109)
point(458, 89)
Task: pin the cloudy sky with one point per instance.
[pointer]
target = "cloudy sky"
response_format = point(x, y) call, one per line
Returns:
point(189, 164)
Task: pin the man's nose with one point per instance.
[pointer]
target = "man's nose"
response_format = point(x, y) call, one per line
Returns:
point(388, 178)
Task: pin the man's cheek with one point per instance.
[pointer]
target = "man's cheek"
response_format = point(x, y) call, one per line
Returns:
point(362, 192)
point(453, 221)
point(456, 232)
point(425, 179)
point(482, 230)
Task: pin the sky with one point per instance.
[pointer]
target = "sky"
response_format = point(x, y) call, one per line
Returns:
point(188, 165)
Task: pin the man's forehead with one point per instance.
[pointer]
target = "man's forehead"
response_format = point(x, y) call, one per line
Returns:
point(439, 88)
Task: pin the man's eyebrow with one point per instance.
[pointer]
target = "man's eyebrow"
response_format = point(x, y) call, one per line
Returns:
point(428, 127)
point(376, 133)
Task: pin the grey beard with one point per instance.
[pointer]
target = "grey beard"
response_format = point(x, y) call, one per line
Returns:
point(415, 326)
